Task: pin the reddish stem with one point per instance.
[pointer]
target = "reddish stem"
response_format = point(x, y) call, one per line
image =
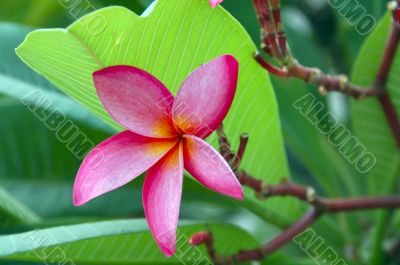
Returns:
point(244, 138)
point(382, 79)
point(269, 67)
point(319, 206)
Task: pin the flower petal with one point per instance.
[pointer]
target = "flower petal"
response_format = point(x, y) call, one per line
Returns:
point(205, 97)
point(162, 192)
point(115, 162)
point(206, 165)
point(214, 3)
point(136, 99)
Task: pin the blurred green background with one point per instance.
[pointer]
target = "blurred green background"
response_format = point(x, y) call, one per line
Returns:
point(37, 171)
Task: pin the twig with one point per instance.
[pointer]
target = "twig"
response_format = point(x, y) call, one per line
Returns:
point(258, 253)
point(383, 75)
point(224, 145)
point(391, 115)
point(275, 44)
point(244, 138)
point(327, 83)
point(318, 206)
point(269, 67)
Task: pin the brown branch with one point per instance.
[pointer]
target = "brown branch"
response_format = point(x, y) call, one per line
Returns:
point(269, 67)
point(383, 76)
point(224, 145)
point(325, 82)
point(328, 83)
point(389, 55)
point(391, 116)
point(318, 206)
point(275, 44)
point(259, 253)
point(244, 138)
point(323, 205)
point(269, 35)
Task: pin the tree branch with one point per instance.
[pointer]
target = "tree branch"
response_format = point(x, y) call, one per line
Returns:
point(318, 206)
point(258, 253)
point(382, 78)
point(274, 43)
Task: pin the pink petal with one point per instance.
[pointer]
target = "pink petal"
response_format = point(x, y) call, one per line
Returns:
point(206, 165)
point(205, 97)
point(136, 99)
point(214, 3)
point(115, 162)
point(162, 192)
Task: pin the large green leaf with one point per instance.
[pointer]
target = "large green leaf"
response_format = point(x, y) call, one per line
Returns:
point(115, 242)
point(170, 40)
point(369, 122)
point(38, 169)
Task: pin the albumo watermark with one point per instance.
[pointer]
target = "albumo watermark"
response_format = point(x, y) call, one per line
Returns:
point(65, 129)
point(94, 25)
point(355, 14)
point(337, 134)
point(316, 248)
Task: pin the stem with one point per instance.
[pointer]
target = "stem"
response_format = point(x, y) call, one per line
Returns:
point(318, 207)
point(274, 43)
point(328, 83)
point(382, 78)
point(388, 57)
point(258, 253)
point(366, 203)
point(244, 138)
point(269, 67)
point(391, 116)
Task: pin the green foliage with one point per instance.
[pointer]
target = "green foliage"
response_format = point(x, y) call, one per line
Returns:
point(39, 169)
point(69, 57)
point(170, 40)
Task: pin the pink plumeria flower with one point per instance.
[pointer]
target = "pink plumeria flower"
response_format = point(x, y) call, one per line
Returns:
point(214, 3)
point(164, 136)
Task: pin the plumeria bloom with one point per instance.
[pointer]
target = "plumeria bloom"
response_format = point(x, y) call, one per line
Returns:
point(214, 3)
point(164, 136)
